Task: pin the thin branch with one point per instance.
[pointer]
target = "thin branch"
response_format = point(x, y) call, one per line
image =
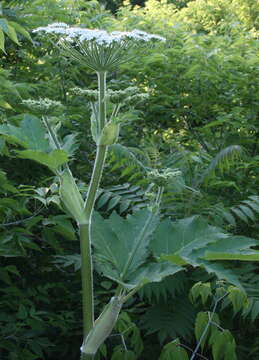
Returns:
point(188, 348)
point(123, 342)
point(23, 220)
point(207, 326)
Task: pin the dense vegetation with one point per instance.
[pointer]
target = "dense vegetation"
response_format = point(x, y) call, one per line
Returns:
point(200, 117)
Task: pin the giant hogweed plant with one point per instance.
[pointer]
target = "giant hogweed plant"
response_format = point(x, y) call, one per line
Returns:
point(102, 52)
point(130, 251)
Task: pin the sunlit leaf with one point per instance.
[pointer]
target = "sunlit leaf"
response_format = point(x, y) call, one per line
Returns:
point(52, 160)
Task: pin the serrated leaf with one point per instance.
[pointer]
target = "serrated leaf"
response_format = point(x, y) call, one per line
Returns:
point(182, 237)
point(232, 248)
point(152, 272)
point(192, 241)
point(52, 160)
point(30, 134)
point(121, 245)
point(222, 273)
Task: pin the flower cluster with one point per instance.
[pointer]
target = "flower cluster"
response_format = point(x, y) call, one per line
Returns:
point(90, 95)
point(98, 49)
point(129, 96)
point(100, 37)
point(164, 176)
point(43, 106)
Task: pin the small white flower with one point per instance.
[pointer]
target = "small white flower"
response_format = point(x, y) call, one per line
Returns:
point(101, 37)
point(84, 44)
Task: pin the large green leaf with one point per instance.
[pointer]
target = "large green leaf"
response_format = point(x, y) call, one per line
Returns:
point(52, 160)
point(192, 241)
point(183, 237)
point(121, 248)
point(30, 134)
point(152, 272)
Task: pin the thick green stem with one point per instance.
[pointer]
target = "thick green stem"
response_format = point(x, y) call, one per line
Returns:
point(101, 99)
point(87, 279)
point(85, 229)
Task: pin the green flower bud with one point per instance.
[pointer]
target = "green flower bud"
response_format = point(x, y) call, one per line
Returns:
point(90, 95)
point(116, 96)
point(110, 133)
point(44, 106)
point(164, 176)
point(134, 99)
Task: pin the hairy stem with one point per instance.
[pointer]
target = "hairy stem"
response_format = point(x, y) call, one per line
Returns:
point(85, 229)
point(87, 279)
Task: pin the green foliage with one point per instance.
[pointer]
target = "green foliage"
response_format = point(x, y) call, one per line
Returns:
point(127, 329)
point(30, 134)
point(201, 289)
point(121, 249)
point(173, 351)
point(223, 345)
point(202, 109)
point(170, 320)
point(193, 241)
point(122, 198)
point(11, 29)
point(170, 286)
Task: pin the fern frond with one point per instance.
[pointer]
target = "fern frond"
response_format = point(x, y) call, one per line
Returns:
point(175, 319)
point(222, 161)
point(131, 161)
point(247, 211)
point(122, 198)
point(64, 261)
point(125, 155)
point(169, 287)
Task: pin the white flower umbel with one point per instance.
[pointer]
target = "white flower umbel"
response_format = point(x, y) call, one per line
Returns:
point(98, 49)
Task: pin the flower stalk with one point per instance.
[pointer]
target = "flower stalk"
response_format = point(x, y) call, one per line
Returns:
point(85, 229)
